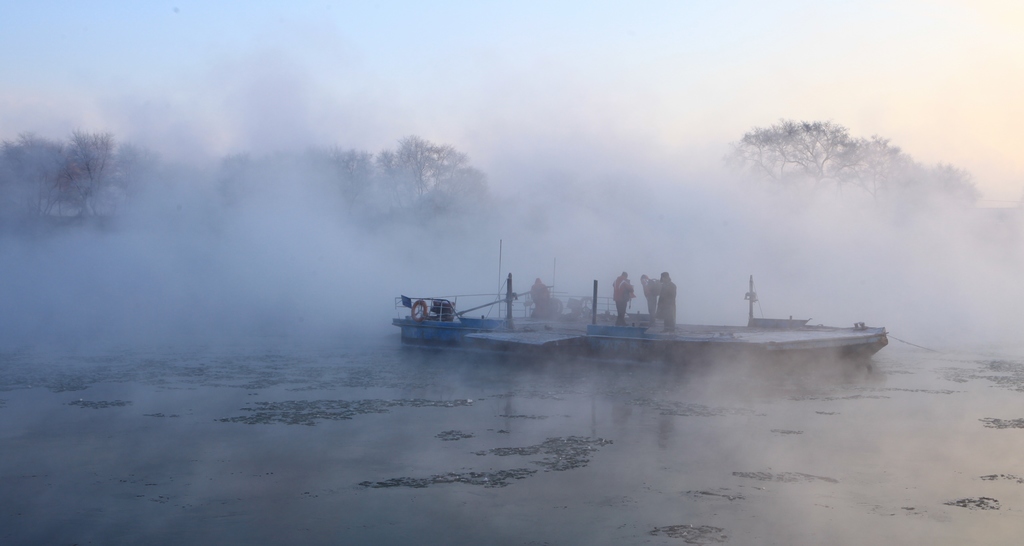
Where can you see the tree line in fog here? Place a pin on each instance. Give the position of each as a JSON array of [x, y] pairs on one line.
[[418, 179], [815, 155], [91, 177]]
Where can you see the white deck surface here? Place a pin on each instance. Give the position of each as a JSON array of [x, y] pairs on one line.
[[531, 332]]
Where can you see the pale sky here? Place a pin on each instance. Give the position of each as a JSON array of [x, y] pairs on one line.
[[660, 87]]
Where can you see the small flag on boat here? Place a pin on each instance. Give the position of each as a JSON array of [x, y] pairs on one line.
[[406, 301]]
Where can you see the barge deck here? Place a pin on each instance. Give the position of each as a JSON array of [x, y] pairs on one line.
[[440, 326]]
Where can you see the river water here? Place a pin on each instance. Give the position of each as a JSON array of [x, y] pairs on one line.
[[371, 444]]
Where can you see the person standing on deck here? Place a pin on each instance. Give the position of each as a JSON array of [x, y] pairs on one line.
[[622, 292], [667, 303], [652, 288], [540, 295]]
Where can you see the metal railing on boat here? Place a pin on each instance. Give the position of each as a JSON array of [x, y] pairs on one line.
[[521, 308]]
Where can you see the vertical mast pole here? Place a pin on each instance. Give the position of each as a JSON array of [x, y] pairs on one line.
[[499, 276], [752, 298], [750, 316], [508, 301]]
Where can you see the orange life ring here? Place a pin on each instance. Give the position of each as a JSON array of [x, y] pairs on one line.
[[419, 311]]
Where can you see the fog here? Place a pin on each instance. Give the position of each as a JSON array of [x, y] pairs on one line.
[[208, 210], [593, 166], [158, 364], [288, 258]]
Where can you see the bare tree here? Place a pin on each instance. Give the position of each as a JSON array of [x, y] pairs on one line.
[[84, 176], [354, 172], [428, 166], [418, 159], [395, 180], [438, 175], [31, 169], [954, 183], [879, 167], [90, 175], [804, 153], [465, 186], [792, 152], [763, 151]]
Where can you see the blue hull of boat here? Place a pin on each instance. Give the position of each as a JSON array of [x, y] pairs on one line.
[[442, 333]]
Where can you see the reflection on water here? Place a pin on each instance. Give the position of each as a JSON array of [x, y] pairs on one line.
[[375, 444]]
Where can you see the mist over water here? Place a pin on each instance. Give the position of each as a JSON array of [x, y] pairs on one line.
[[216, 363], [208, 209], [290, 260]]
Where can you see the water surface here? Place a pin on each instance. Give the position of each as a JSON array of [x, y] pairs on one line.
[[367, 443]]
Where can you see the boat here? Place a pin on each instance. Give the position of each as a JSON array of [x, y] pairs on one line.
[[434, 322]]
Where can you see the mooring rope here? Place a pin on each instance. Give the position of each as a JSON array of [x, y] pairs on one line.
[[911, 344]]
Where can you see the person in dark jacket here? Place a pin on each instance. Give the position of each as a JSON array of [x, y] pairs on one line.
[[540, 295], [667, 303], [622, 292]]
